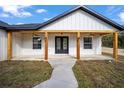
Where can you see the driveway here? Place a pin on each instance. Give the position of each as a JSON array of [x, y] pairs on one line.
[[62, 75], [110, 51]]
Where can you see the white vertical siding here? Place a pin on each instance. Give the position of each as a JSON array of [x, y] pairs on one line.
[[3, 45], [72, 45], [51, 44], [27, 45], [96, 46], [23, 45], [16, 44], [78, 20]]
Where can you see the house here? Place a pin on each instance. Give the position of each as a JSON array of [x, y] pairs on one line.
[[76, 32]]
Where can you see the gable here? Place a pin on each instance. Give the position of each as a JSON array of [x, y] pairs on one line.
[[78, 20]]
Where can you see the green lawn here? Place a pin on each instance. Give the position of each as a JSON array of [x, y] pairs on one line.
[[99, 74], [23, 74]]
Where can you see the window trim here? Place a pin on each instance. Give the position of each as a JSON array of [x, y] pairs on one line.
[[33, 41], [91, 42]]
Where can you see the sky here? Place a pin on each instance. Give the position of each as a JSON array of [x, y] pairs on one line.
[[26, 14]]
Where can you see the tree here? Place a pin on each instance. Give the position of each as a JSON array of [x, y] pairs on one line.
[[107, 41]]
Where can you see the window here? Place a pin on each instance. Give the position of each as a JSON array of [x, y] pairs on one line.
[[36, 42], [87, 42]]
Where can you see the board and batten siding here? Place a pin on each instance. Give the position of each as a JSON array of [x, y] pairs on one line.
[[27, 45], [96, 42], [96, 46], [71, 41], [3, 45], [16, 44], [78, 20], [23, 45]]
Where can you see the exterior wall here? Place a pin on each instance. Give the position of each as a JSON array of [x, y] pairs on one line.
[[96, 43], [22, 45], [3, 45], [72, 45], [16, 44], [27, 45], [78, 20]]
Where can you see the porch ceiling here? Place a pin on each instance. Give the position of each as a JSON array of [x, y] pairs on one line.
[[68, 31], [89, 32]]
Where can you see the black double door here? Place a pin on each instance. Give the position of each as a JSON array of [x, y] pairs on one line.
[[61, 44]]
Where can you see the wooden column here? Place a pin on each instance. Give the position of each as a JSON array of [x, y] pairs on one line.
[[9, 50], [78, 46], [115, 46], [46, 46]]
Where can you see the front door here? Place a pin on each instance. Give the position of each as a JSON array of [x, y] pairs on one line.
[[61, 44]]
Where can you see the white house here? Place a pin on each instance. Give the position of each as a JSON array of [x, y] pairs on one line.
[[76, 32]]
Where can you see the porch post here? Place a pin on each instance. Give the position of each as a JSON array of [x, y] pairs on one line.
[[115, 46], [46, 46], [9, 45], [78, 46]]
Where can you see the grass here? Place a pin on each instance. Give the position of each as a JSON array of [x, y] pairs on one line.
[[23, 74], [99, 74]]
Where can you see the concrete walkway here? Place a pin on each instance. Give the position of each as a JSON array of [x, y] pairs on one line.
[[62, 75]]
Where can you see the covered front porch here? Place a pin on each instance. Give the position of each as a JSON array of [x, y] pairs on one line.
[[75, 51]]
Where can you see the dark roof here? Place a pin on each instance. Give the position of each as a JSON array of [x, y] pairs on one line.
[[84, 8], [3, 25], [24, 27], [6, 26]]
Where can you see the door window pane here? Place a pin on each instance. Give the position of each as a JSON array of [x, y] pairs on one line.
[[58, 43], [64, 43]]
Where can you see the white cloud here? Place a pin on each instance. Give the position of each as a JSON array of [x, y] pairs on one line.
[[113, 9], [45, 19], [26, 13], [121, 16], [41, 10], [16, 10], [110, 8], [4, 15], [19, 23]]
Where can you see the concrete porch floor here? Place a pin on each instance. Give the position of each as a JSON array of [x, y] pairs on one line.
[[28, 57], [62, 56]]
